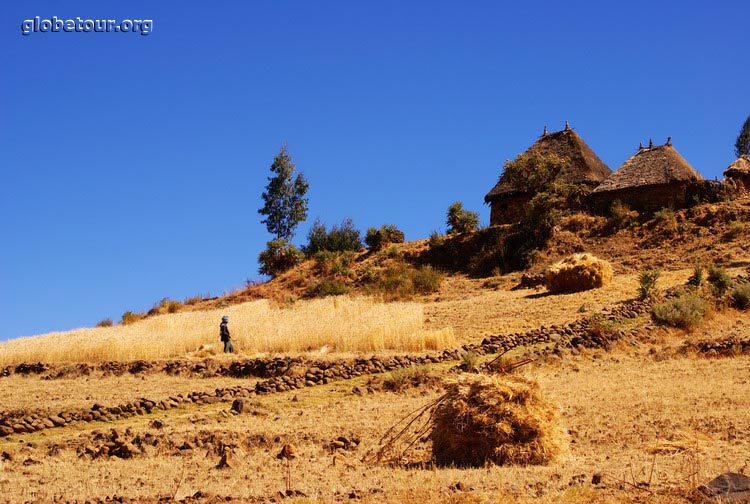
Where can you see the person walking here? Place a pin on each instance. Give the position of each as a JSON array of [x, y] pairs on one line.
[[225, 337]]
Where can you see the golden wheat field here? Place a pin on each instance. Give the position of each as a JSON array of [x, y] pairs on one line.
[[335, 324]]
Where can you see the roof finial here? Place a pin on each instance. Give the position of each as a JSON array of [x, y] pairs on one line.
[[567, 126], [669, 141], [545, 130], [650, 143], [640, 146]]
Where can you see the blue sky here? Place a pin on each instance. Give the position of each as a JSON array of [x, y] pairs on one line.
[[131, 166]]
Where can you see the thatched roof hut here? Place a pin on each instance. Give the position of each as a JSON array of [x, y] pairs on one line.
[[739, 171], [583, 167], [652, 178]]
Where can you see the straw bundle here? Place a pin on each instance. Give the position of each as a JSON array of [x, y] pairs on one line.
[[577, 273], [503, 420]]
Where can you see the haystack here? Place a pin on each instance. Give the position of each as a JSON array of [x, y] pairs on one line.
[[502, 420], [577, 273]]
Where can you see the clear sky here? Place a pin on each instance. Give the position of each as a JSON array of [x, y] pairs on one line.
[[131, 166]]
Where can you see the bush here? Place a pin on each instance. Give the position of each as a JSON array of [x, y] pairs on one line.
[[399, 280], [329, 288], [339, 239], [279, 256], [733, 230], [436, 239], [377, 238], [685, 311], [470, 362], [647, 283], [324, 260], [741, 297], [400, 379], [578, 272], [426, 280], [130, 317], [193, 300], [696, 279], [621, 216], [719, 279], [666, 219], [107, 322], [601, 327], [461, 220], [166, 305], [534, 171], [542, 215]]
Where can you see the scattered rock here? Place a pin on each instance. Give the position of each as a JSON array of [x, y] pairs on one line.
[[728, 487], [288, 452], [238, 405]]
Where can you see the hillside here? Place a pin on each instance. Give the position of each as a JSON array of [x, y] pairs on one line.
[[649, 410]]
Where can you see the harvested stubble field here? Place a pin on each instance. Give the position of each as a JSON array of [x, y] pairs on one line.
[[638, 421], [646, 419]]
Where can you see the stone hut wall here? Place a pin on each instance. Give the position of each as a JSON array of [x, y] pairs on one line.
[[508, 209], [644, 199]]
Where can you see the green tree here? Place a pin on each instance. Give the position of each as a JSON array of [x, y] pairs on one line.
[[461, 220], [285, 202], [742, 145]]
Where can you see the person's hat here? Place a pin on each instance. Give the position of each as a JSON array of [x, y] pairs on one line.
[[225, 318]]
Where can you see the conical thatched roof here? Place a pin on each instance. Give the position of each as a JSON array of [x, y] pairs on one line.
[[650, 166], [584, 165], [741, 167]]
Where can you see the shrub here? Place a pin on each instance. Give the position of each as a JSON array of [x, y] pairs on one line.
[[193, 300], [733, 230], [696, 279], [470, 362], [324, 260], [436, 239], [577, 273], [533, 171], [666, 219], [621, 216], [719, 279], [400, 379], [741, 296], [399, 280], [329, 288], [377, 238], [166, 305], [317, 238], [426, 280], [542, 215], [279, 256], [393, 252], [601, 327], [461, 220], [647, 283], [339, 239], [130, 317], [107, 322], [685, 311]]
